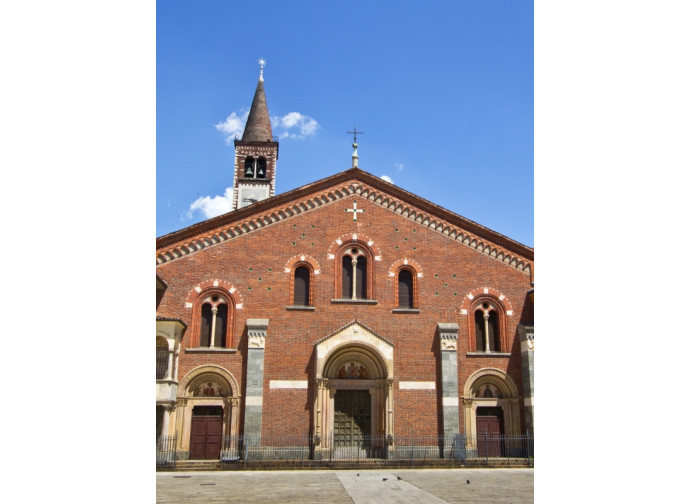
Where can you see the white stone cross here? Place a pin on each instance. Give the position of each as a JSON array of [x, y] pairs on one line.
[[354, 211]]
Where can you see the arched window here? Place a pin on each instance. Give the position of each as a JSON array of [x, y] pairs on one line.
[[214, 312], [354, 279], [249, 167], [406, 298], [487, 330], [301, 287]]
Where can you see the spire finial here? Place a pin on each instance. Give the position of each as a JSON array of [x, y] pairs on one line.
[[355, 157], [262, 62]]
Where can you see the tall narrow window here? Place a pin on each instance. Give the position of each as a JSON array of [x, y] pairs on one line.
[[347, 277], [361, 277], [405, 294], [301, 292], [221, 326], [206, 324]]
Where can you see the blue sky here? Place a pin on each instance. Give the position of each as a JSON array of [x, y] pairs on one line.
[[443, 94]]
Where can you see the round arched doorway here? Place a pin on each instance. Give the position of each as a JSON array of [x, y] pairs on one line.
[[354, 394]]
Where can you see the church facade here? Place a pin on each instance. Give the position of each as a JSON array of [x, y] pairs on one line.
[[347, 308]]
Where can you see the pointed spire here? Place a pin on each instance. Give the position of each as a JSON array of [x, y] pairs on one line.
[[258, 127]]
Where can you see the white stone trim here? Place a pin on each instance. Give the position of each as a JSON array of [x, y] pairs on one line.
[[417, 385], [451, 401], [254, 401], [288, 384]]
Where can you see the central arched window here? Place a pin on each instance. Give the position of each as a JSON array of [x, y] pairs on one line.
[[487, 331], [354, 278], [213, 320]]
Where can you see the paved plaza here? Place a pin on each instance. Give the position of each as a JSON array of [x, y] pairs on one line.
[[409, 486]]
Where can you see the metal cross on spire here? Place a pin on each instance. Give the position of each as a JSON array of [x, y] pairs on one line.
[[355, 133], [262, 62]]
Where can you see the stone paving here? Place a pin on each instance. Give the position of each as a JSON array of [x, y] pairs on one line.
[[415, 486]]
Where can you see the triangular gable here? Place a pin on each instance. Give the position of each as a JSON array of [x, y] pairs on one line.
[[324, 192]]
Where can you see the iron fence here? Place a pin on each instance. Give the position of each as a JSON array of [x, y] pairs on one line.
[[166, 452], [411, 450], [306, 451]]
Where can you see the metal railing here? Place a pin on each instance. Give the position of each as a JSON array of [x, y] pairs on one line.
[[166, 452], [162, 355], [306, 451], [412, 450]]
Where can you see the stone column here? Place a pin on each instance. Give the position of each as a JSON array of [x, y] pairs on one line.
[[448, 337], [253, 402], [165, 428], [527, 351]]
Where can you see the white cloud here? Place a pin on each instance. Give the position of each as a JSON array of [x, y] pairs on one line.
[[292, 125], [295, 125], [233, 126], [387, 179], [212, 207], [399, 166]]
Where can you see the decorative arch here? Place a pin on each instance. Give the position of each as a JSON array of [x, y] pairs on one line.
[[471, 296], [490, 388], [338, 242], [496, 377], [292, 263], [359, 354], [211, 371]]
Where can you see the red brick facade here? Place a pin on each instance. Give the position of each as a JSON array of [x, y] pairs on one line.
[[255, 267]]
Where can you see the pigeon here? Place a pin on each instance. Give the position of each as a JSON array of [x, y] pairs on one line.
[[468, 482], [357, 474], [385, 479], [399, 478]]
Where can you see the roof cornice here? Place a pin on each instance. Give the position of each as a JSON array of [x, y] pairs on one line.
[[325, 191]]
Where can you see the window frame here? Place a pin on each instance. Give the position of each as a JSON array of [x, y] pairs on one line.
[[413, 274], [293, 272], [496, 306], [200, 300], [346, 249]]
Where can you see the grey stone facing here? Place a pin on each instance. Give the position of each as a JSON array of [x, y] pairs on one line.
[[253, 408], [526, 334], [448, 336]]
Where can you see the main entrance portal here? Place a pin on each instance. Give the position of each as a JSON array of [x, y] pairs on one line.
[[353, 406]]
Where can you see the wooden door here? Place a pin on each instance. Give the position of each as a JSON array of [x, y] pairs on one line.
[[352, 421], [490, 432], [207, 433]]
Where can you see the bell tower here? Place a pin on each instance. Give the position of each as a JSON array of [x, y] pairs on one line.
[[256, 154]]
